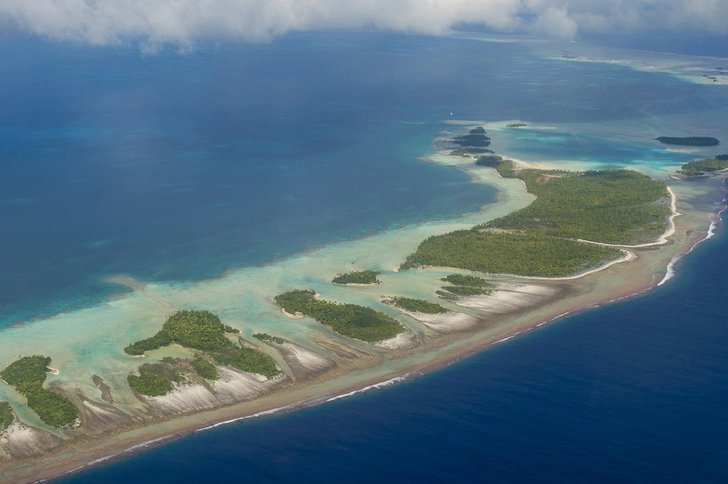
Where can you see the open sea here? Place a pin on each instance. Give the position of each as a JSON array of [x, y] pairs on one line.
[[177, 167]]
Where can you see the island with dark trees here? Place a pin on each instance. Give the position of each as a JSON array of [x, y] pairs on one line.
[[199, 330], [465, 286], [476, 138], [358, 277], [350, 320], [417, 305], [707, 165], [688, 140], [27, 376]]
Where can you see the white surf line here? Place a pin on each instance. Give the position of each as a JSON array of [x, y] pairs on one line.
[[378, 386], [670, 273], [660, 241]]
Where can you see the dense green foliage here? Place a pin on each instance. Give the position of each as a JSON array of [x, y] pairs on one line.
[[489, 160], [230, 329], [27, 375], [610, 206], [6, 415], [269, 338], [153, 380], [688, 140], [348, 319], [205, 369], [247, 359], [358, 277], [465, 285], [505, 169], [202, 330], [700, 167], [155, 342], [508, 253], [418, 305], [466, 280], [475, 138]]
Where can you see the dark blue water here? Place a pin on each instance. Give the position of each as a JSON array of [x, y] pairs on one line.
[[177, 167], [635, 391]]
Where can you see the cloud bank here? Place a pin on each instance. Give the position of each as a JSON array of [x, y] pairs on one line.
[[183, 22]]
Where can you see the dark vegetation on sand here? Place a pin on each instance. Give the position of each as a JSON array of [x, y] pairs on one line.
[[349, 320], [27, 376]]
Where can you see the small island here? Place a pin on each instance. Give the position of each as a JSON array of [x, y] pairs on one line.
[[707, 165], [27, 376], [464, 286], [350, 320], [269, 338], [688, 140], [516, 125], [476, 138], [417, 305], [367, 277], [199, 330]]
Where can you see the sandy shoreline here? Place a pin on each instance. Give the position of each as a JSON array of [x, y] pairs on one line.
[[649, 266]]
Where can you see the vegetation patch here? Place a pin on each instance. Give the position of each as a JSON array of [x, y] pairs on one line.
[[505, 253], [269, 338], [358, 277], [27, 376], [489, 160], [151, 381], [476, 138], [609, 206], [516, 125], [418, 305], [688, 140], [701, 167], [349, 320], [202, 330], [463, 286], [248, 360], [467, 280], [6, 416], [205, 369]]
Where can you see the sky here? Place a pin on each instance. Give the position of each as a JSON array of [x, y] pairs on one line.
[[181, 23]]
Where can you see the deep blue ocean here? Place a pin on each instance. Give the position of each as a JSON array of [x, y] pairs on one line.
[[178, 167]]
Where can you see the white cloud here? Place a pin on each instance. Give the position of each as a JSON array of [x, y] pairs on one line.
[[182, 22]]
